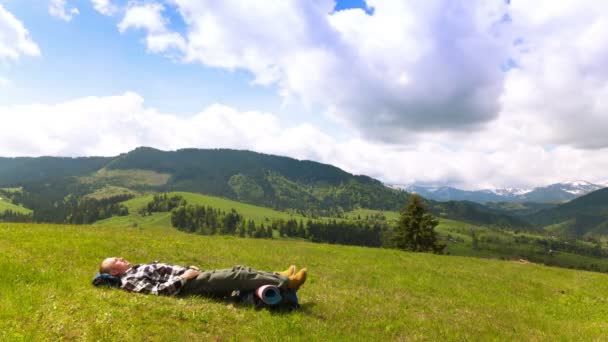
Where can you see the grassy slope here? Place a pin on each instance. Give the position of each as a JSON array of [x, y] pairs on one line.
[[6, 205], [127, 178], [507, 248], [503, 245], [352, 294], [110, 191], [258, 214]]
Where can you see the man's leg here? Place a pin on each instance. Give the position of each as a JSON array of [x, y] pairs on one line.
[[223, 282]]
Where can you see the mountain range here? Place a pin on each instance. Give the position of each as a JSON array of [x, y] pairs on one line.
[[554, 193], [266, 180]]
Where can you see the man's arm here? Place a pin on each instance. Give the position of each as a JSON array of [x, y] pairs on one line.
[[169, 287], [144, 285]]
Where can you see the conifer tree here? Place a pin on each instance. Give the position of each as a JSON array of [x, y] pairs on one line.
[[415, 230]]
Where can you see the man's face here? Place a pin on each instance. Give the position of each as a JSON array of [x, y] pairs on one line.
[[116, 266]]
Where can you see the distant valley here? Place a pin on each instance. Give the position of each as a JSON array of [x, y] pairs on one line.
[[554, 193]]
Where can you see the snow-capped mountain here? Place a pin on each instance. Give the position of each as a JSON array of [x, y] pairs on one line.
[[554, 193]]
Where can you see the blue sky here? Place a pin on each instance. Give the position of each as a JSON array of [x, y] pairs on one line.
[[89, 56], [382, 88]]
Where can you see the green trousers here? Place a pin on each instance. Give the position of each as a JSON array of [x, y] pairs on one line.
[[223, 282]]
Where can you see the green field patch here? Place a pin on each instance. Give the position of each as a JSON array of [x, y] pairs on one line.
[[353, 293], [12, 190], [126, 178], [504, 244], [6, 205], [159, 220], [391, 216], [111, 191]]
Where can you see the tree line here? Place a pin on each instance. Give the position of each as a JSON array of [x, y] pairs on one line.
[[89, 210], [63, 202], [373, 231], [15, 216]]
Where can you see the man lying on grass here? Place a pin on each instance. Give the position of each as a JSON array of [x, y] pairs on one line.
[[164, 279]]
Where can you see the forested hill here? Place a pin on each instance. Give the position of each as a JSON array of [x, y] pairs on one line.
[[586, 214], [26, 169], [269, 180], [261, 179], [217, 163]]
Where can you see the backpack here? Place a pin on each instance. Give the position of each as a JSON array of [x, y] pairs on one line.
[[106, 279]]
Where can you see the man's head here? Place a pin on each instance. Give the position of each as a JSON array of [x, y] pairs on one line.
[[114, 266]]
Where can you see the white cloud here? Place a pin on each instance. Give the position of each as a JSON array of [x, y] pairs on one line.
[[422, 78], [15, 39], [559, 93], [149, 17], [416, 66], [4, 82], [411, 66], [58, 9], [116, 124], [146, 16], [112, 125], [105, 7]]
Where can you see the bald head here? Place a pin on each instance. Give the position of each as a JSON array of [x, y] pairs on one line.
[[114, 266]]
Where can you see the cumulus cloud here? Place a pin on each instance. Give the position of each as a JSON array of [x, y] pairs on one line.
[[467, 93], [105, 7], [410, 66], [148, 17], [58, 9], [116, 124], [416, 66], [15, 39], [558, 94]]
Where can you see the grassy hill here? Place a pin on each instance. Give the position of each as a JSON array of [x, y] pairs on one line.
[[21, 170], [492, 243], [519, 208], [507, 244], [6, 205], [352, 294], [259, 179], [251, 212], [585, 215]]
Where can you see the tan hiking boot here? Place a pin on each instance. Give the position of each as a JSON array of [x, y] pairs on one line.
[[289, 272], [298, 279]]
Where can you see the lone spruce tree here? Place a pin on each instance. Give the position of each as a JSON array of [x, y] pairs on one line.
[[416, 228]]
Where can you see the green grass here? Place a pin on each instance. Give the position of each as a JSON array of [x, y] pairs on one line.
[[249, 211], [110, 191], [391, 216], [498, 243], [6, 205], [12, 190], [126, 178], [352, 293]]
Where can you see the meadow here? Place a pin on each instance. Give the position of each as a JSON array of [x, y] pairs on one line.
[[502, 244], [494, 243], [6, 205], [353, 293], [163, 219]]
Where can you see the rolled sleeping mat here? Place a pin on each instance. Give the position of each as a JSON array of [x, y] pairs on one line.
[[269, 294]]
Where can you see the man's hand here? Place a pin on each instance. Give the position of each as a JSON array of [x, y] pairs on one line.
[[189, 274]]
